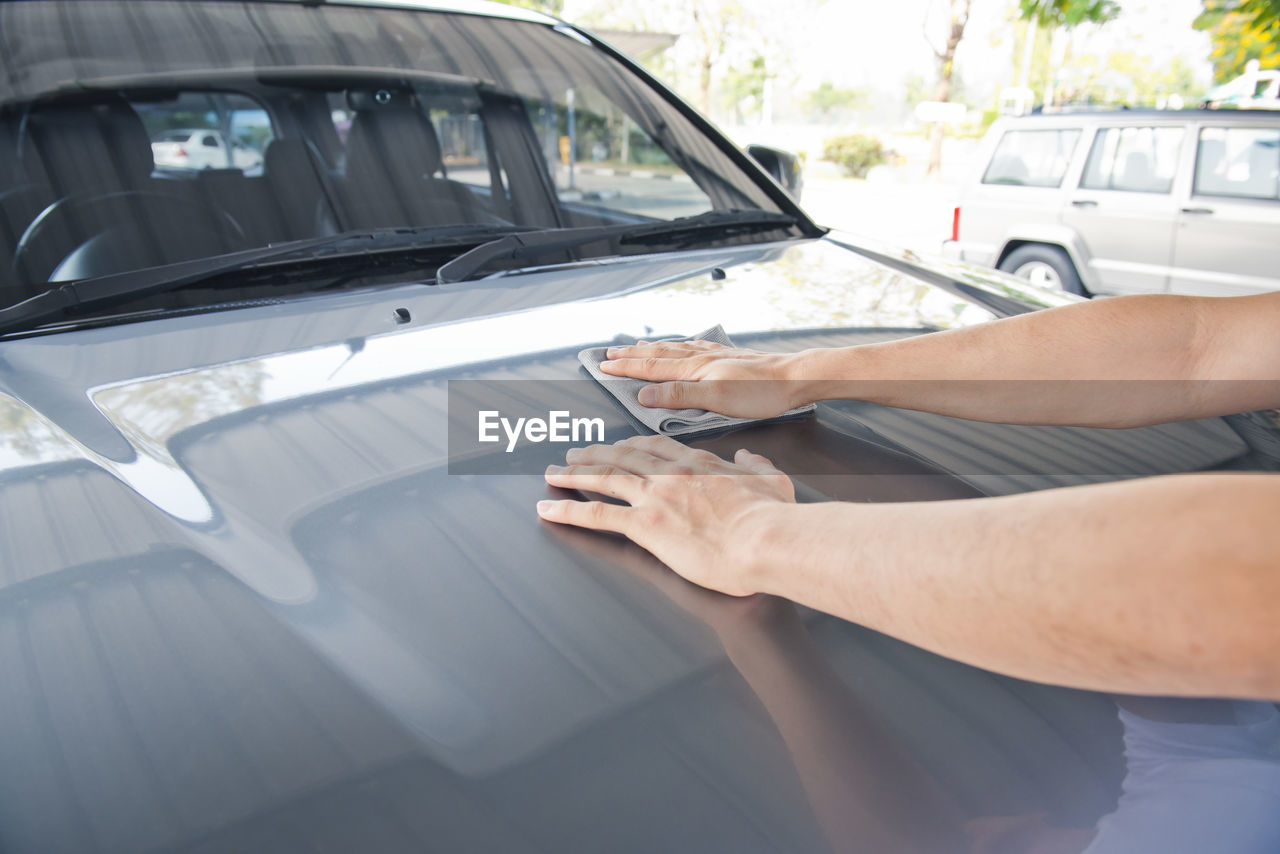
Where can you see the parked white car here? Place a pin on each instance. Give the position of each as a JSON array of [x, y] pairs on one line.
[[201, 148], [1127, 201]]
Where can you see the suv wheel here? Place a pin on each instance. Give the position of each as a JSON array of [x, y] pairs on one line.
[[1044, 266]]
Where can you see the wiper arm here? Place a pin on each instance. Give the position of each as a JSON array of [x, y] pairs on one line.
[[530, 245], [58, 301]]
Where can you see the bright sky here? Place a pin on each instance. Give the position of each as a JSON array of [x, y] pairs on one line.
[[862, 42], [879, 43]]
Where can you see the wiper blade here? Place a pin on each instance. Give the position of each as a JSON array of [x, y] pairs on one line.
[[530, 245], [60, 300]]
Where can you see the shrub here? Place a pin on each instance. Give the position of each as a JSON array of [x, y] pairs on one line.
[[855, 153]]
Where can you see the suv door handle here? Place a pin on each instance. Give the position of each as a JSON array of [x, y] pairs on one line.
[[1197, 210], [1084, 203]]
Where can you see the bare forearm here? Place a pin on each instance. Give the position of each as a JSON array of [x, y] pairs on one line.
[[1167, 585], [1119, 362]]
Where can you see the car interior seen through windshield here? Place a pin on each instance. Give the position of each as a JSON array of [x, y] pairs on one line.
[[273, 123]]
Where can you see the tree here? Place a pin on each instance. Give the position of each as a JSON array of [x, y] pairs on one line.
[[745, 83], [715, 36], [916, 88], [1066, 14], [957, 19], [716, 23], [727, 53], [1240, 30], [828, 98], [710, 31], [1062, 16], [1131, 78], [1265, 15]]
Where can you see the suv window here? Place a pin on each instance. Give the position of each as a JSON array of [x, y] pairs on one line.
[[1135, 159], [1032, 158], [1243, 162]]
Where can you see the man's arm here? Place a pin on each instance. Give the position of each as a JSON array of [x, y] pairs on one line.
[[1111, 363], [1164, 586]]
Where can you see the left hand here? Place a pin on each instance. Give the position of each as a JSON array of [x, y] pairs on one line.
[[697, 513]]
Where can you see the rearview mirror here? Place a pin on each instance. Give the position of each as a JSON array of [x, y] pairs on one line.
[[782, 165]]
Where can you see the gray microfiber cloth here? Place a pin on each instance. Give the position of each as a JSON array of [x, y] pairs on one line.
[[670, 422]]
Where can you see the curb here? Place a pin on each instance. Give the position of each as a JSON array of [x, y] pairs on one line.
[[635, 173]]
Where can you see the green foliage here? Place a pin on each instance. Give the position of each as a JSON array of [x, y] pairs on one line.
[[255, 137], [725, 51], [855, 153], [1067, 13], [1131, 78], [743, 86], [1240, 30], [1264, 15], [828, 98], [917, 90]]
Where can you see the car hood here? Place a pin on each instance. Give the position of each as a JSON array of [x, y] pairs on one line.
[[246, 605]]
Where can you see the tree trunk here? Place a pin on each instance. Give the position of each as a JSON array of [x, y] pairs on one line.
[[704, 84], [959, 17], [941, 92], [706, 35]]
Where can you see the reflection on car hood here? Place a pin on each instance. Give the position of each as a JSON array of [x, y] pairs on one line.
[[245, 606]]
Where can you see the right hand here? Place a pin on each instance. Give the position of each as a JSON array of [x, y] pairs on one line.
[[705, 375], [701, 515]]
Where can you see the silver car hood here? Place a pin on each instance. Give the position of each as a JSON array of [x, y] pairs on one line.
[[245, 604]]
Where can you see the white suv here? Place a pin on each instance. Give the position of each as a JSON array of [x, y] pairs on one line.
[[1128, 202]]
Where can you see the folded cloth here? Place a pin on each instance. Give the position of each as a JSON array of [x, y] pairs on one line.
[[670, 422]]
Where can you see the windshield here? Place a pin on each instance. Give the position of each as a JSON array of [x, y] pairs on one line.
[[138, 134]]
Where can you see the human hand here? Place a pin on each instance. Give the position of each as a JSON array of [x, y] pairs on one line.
[[706, 375], [698, 514]]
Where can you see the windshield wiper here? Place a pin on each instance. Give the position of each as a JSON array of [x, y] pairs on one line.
[[365, 247], [371, 248], [524, 247]]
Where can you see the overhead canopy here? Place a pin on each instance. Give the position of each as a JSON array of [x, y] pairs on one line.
[[638, 45]]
